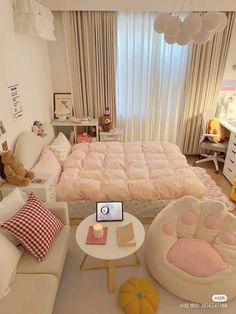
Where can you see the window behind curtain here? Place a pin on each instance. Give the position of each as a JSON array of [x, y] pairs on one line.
[[150, 80]]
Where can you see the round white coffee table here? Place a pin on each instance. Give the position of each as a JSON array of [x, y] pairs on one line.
[[110, 253]]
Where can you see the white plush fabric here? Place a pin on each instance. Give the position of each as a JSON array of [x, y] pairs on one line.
[[170, 225], [9, 206], [61, 147], [28, 149], [33, 19], [9, 258]]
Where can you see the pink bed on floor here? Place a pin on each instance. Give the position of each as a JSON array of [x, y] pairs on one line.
[[127, 171]]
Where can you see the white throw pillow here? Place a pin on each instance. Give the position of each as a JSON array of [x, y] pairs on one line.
[[9, 258], [61, 147], [9, 206]]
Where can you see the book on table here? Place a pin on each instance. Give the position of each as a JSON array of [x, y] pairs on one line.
[[91, 239], [125, 235]]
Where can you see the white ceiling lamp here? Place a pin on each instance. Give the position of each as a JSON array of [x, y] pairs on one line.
[[194, 28]]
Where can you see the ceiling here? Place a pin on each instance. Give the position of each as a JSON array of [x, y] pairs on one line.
[[141, 5]]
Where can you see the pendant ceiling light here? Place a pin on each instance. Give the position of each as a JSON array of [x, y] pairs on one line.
[[194, 28]]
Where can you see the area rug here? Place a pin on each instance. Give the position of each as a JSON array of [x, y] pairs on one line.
[[85, 292], [213, 191]]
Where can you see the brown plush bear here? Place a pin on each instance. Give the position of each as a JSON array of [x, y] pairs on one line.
[[105, 121], [14, 171]]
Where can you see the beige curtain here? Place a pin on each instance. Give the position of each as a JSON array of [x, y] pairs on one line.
[[91, 48], [206, 69]]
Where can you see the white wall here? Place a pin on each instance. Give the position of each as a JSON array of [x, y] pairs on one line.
[[229, 73], [58, 59], [141, 5], [23, 60]]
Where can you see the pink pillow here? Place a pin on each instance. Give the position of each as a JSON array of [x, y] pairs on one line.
[[48, 164], [34, 226], [196, 257]]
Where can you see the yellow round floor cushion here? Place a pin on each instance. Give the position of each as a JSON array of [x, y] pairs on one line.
[[138, 296], [214, 127]]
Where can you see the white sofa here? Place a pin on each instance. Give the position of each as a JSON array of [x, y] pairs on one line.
[[34, 288]]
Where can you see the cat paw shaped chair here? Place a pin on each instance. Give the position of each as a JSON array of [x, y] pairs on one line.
[[191, 249]]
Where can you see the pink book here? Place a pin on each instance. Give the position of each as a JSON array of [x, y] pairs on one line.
[[96, 241]]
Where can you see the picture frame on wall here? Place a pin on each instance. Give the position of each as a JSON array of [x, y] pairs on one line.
[[63, 107]]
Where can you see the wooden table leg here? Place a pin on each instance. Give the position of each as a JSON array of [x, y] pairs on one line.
[[111, 276]]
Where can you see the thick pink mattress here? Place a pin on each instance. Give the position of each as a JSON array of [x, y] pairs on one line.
[[127, 171]]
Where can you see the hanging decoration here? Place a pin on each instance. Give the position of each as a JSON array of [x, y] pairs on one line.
[[194, 28], [33, 19]]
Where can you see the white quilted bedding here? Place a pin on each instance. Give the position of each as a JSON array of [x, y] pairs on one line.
[[127, 171]]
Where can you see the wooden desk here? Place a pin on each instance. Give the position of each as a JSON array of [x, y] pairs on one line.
[[229, 170]]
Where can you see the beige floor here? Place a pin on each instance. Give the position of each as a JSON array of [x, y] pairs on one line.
[[85, 292], [219, 178]]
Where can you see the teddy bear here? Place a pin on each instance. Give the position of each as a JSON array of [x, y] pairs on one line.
[[105, 121], [14, 171]]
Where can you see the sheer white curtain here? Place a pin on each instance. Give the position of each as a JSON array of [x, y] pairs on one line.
[[150, 80]]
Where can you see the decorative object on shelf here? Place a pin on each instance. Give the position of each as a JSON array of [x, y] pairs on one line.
[[194, 28], [84, 120], [83, 138], [38, 129], [14, 171], [33, 19], [138, 295], [63, 108], [105, 121]]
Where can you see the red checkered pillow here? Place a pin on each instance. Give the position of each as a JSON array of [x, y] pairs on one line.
[[34, 226]]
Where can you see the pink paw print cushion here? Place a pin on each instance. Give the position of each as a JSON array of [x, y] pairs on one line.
[[196, 257]]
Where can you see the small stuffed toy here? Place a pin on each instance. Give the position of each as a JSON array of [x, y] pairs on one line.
[[14, 171], [38, 129], [105, 121]]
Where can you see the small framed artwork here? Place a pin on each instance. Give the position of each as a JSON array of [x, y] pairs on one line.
[[63, 107], [2, 128], [5, 146]]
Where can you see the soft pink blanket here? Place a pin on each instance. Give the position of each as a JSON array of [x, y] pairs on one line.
[[127, 171]]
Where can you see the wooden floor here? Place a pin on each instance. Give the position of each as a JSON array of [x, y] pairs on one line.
[[219, 178]]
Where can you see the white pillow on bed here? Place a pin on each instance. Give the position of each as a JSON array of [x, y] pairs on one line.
[[48, 164], [61, 147]]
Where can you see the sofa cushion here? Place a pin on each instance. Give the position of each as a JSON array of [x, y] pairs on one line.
[[9, 258], [54, 262], [30, 294], [196, 257], [34, 226], [9, 206]]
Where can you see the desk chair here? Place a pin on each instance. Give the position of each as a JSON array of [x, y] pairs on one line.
[[217, 151]]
